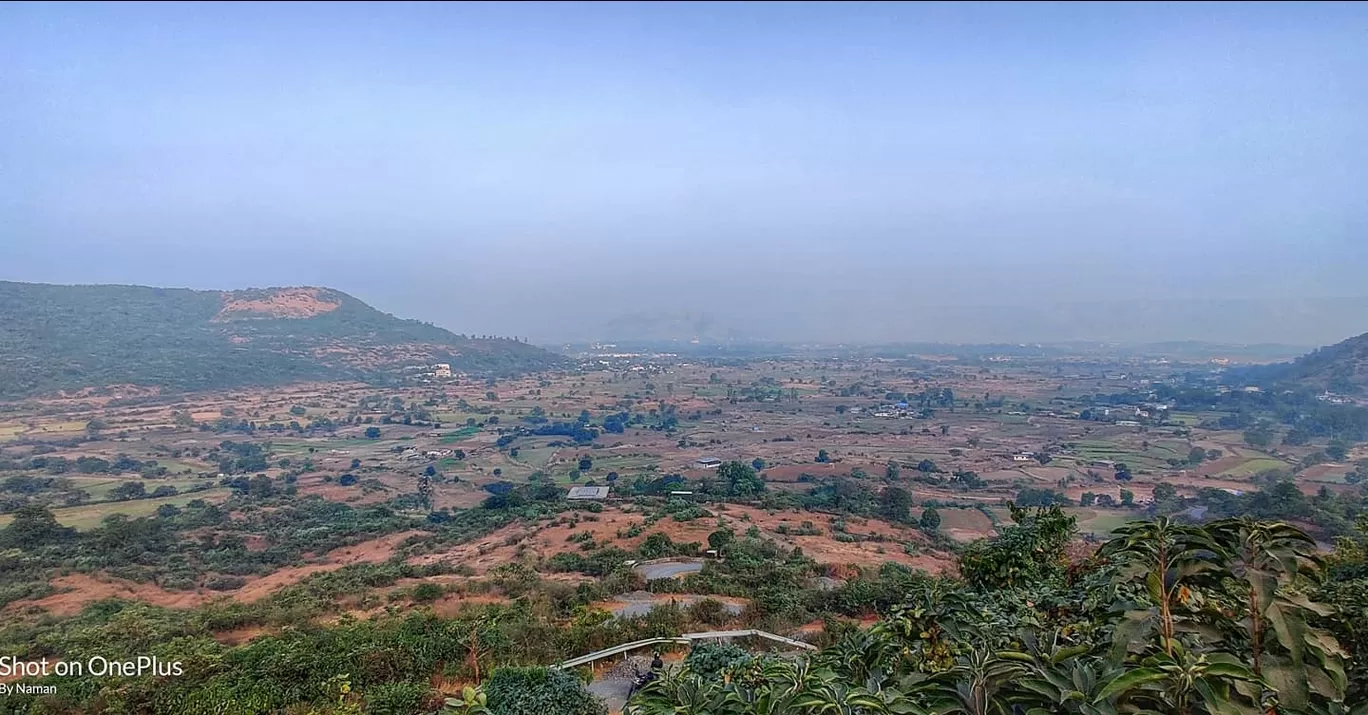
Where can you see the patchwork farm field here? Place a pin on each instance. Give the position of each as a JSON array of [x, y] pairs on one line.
[[447, 482]]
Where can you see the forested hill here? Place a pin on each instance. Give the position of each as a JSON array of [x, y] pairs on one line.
[[1340, 368], [64, 338]]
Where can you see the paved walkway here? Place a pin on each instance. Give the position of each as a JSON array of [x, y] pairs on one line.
[[669, 569]]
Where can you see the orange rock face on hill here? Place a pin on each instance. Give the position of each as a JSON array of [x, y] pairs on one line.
[[278, 303]]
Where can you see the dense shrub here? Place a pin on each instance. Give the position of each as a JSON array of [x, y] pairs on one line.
[[427, 592], [224, 583], [539, 691], [396, 699], [710, 659]]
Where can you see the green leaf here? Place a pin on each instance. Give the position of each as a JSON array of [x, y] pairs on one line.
[[1071, 652], [1301, 601], [1188, 569], [1127, 682], [1131, 632], [1219, 703], [1290, 628], [1264, 585], [1230, 670], [1289, 680], [1154, 587], [1041, 687], [1017, 656], [1322, 684]]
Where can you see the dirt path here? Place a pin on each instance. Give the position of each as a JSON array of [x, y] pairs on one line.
[[669, 569], [640, 603]]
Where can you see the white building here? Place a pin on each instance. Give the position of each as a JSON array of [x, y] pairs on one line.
[[594, 493]]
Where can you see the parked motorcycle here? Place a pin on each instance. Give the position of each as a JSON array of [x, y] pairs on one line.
[[641, 679]]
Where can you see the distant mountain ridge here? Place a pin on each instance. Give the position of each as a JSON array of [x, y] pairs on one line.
[[61, 338], [1341, 368]]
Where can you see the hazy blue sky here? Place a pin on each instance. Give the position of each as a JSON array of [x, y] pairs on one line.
[[836, 171]]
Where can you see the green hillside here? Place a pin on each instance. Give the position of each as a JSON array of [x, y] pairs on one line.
[[1341, 368], [55, 338]]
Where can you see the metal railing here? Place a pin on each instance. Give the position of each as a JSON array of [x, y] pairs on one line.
[[686, 639]]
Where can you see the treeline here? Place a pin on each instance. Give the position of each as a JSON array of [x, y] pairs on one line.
[[1297, 408], [1332, 512], [121, 464]]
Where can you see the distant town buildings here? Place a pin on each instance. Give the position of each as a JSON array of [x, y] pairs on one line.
[[707, 463]]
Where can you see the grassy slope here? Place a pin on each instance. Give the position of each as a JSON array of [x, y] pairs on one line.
[[67, 337]]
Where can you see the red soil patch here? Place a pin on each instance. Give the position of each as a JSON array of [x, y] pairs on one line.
[[1048, 474], [256, 543], [544, 541], [79, 590], [369, 552], [280, 303], [332, 491], [1326, 471]]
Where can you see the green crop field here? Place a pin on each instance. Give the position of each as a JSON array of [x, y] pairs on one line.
[[1154, 458], [1254, 466], [89, 516], [1100, 522], [624, 464], [96, 486], [535, 457], [460, 434], [1168, 449], [1186, 419]]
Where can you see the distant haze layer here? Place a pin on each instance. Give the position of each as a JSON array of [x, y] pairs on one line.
[[1303, 322], [815, 171]]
